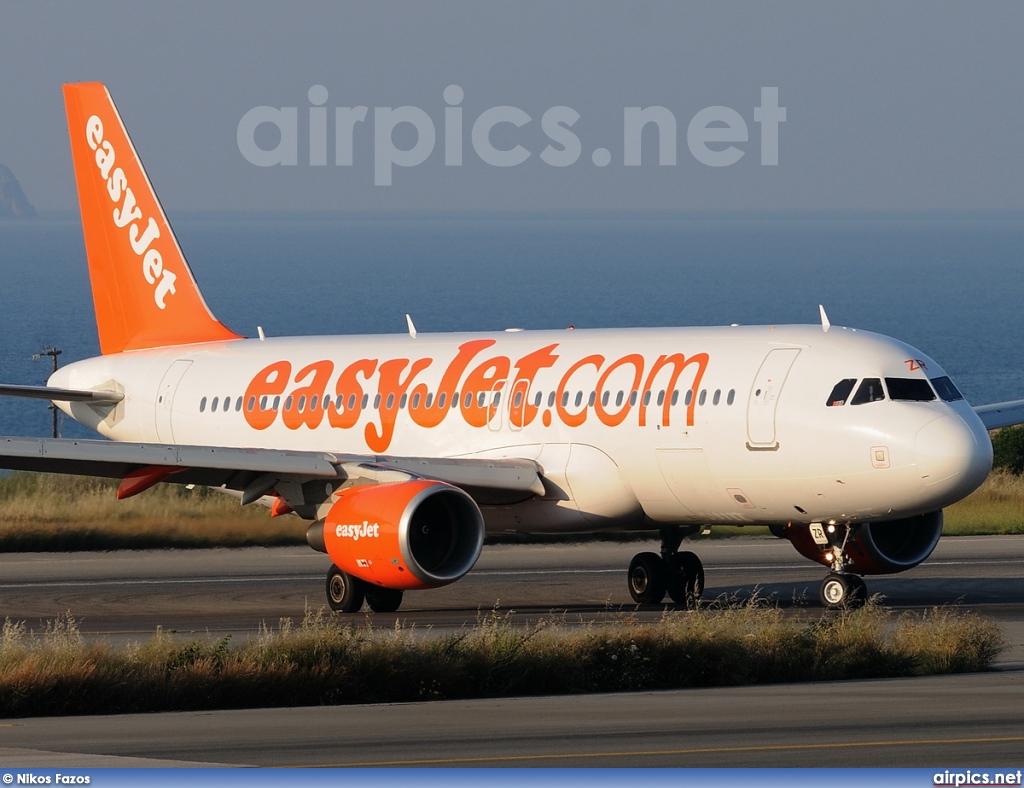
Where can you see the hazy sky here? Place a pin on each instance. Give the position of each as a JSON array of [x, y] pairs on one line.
[[906, 106]]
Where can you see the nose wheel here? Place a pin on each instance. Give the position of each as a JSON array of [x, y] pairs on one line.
[[842, 591]]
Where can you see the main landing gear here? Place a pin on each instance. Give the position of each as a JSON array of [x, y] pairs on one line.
[[839, 589], [680, 575], [346, 594]]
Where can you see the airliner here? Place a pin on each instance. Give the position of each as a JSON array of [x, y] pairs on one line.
[[403, 451]]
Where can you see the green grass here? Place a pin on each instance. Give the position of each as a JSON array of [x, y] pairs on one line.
[[324, 662]]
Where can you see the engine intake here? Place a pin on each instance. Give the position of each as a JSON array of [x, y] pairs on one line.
[[415, 534], [879, 548]]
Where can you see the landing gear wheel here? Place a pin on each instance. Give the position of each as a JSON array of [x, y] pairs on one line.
[[858, 591], [344, 592], [383, 600], [842, 591], [687, 583], [647, 579]]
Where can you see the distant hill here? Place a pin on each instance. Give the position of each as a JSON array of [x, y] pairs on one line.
[[13, 202]]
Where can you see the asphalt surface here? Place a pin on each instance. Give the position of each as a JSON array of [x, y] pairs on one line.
[[945, 721]]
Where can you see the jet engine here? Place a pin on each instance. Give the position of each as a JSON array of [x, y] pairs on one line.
[[876, 548], [413, 534]]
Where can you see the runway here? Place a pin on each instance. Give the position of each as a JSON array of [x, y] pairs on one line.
[[944, 721]]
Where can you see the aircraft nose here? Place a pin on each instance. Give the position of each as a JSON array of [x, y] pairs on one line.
[[953, 455]]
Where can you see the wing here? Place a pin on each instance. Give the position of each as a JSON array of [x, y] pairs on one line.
[[1001, 414], [253, 473], [61, 395]]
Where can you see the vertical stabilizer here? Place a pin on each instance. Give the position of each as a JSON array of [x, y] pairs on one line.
[[143, 291]]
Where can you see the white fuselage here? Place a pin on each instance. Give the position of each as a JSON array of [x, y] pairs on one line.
[[632, 428]]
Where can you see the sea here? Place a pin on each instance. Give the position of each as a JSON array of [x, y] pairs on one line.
[[951, 285]]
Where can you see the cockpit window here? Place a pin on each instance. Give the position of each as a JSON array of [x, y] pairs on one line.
[[909, 389], [945, 389], [841, 392], [870, 390]]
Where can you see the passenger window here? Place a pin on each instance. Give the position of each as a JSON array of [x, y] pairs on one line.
[[945, 389], [703, 397], [675, 397], [441, 399], [213, 405], [909, 389], [870, 390], [731, 398], [202, 405], [840, 392], [227, 404], [238, 405], [251, 403], [717, 397], [688, 398]]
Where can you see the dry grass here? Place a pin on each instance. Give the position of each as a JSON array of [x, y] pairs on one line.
[[54, 512], [324, 662], [997, 507], [50, 512]]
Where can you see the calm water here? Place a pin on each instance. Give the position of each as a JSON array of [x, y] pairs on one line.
[[952, 286]]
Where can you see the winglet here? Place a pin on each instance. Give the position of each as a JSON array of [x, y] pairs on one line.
[[825, 324], [143, 290]]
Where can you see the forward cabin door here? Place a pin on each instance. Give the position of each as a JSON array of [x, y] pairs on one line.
[[764, 398]]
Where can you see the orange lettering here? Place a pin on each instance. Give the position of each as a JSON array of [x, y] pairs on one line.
[[269, 382], [679, 362], [391, 388], [486, 380], [615, 419], [307, 402], [350, 393], [522, 413], [433, 414], [574, 419]]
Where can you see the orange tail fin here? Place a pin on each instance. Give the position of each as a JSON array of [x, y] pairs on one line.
[[144, 293]]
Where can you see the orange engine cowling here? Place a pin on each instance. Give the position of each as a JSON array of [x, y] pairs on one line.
[[878, 548], [415, 534]]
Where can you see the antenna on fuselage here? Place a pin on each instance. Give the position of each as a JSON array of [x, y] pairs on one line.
[[412, 328], [825, 324]]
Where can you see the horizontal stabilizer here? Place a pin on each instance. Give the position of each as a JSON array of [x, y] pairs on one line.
[[61, 395], [1001, 414]]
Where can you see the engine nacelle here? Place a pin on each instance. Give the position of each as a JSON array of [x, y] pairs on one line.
[[881, 548], [415, 534]]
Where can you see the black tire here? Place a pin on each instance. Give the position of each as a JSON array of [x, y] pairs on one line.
[[687, 583], [344, 592], [647, 579], [383, 600], [834, 591], [858, 591]]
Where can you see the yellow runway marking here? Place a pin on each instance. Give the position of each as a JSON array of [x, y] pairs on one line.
[[694, 751]]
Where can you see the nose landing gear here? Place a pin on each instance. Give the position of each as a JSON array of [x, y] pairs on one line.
[[679, 574], [839, 589]]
